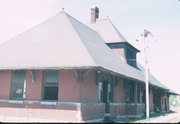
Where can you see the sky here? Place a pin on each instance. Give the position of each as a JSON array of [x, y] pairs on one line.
[[131, 17]]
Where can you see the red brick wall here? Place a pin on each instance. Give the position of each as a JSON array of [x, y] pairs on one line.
[[119, 92], [151, 109], [141, 94], [118, 109], [90, 112], [5, 84], [163, 106], [120, 53], [34, 89], [38, 112], [68, 87], [89, 89], [150, 97], [69, 91], [72, 91]]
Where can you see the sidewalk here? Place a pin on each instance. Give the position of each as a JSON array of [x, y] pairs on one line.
[[165, 118], [27, 120], [168, 118]]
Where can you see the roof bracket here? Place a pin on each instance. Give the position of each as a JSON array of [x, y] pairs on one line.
[[99, 76], [80, 75], [33, 75]]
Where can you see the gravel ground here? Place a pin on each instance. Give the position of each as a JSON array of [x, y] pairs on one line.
[[173, 117]]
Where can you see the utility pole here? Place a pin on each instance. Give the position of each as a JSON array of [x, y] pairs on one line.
[[146, 75]]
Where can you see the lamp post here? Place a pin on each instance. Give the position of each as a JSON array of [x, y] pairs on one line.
[[146, 75]]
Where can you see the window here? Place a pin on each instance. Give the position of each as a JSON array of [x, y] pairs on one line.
[[131, 58], [105, 92], [100, 91], [51, 80], [18, 84], [130, 92]]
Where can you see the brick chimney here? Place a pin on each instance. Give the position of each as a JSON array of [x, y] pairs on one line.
[[94, 14]]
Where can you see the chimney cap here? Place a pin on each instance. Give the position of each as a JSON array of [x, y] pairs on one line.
[[94, 14]]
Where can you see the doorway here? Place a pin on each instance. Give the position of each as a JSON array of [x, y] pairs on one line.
[[106, 95], [166, 104]]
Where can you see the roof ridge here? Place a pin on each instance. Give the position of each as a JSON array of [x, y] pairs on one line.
[[67, 15], [82, 23], [103, 19], [118, 31]]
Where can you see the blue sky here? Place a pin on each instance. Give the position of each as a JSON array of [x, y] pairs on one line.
[[131, 17]]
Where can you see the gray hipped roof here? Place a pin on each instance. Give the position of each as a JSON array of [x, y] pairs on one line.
[[152, 79], [62, 42], [107, 31]]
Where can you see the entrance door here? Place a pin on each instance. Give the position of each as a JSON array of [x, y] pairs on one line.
[[165, 104], [106, 95]]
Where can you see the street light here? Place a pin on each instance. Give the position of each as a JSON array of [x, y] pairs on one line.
[[146, 73], [146, 33]]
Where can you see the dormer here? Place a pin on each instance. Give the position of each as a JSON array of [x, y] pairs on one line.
[[125, 51], [113, 38]]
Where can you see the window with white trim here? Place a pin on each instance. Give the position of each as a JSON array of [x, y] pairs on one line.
[[18, 84], [51, 81]]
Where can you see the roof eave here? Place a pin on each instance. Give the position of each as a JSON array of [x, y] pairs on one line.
[[121, 75], [126, 43], [48, 68]]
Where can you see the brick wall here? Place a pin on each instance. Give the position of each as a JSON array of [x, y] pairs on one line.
[[89, 89], [122, 109], [119, 92], [5, 84], [120, 53], [69, 89], [92, 111], [34, 89], [38, 112]]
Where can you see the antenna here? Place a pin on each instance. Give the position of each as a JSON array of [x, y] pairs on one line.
[[62, 1]]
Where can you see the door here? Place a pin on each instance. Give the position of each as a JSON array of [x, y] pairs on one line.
[[107, 95], [165, 104]]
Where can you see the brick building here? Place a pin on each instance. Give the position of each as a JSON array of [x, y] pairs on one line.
[[65, 71]]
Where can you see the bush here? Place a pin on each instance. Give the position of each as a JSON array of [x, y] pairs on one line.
[[174, 100]]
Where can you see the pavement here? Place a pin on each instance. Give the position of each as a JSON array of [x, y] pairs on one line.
[[173, 117]]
